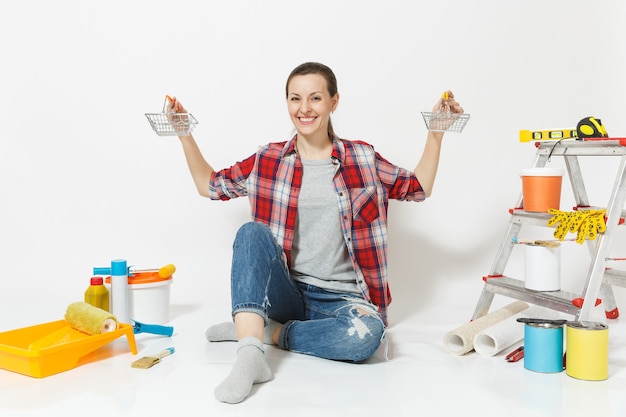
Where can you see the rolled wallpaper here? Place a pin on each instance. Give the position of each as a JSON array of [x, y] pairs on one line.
[[461, 340], [502, 335]]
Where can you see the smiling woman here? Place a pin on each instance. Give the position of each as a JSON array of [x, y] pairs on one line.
[[313, 263], [311, 98]]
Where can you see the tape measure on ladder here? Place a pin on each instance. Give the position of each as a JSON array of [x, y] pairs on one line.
[[591, 127]]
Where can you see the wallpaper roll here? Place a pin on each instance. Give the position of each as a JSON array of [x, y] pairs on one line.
[[496, 338], [461, 340]]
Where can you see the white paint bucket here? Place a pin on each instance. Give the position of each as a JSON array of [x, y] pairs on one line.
[[149, 297], [542, 268]]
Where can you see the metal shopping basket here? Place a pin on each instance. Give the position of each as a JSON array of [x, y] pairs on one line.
[[168, 123], [444, 120]]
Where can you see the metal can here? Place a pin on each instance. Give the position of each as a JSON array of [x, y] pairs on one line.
[[543, 347], [587, 351]]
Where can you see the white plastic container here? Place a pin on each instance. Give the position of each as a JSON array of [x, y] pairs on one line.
[[149, 297], [119, 291], [542, 268]]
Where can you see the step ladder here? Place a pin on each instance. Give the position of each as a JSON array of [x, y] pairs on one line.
[[599, 281]]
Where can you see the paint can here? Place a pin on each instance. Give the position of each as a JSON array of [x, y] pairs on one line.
[[541, 188], [587, 351], [148, 297], [542, 268], [543, 347]]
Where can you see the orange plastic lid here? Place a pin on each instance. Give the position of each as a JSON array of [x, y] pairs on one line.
[[147, 277]]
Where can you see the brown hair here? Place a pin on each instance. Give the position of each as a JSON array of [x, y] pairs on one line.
[[324, 71]]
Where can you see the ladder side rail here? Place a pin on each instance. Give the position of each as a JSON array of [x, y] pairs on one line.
[[576, 180], [505, 249], [582, 200], [595, 276], [484, 302]]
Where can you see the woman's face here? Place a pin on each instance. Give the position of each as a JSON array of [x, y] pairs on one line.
[[310, 105]]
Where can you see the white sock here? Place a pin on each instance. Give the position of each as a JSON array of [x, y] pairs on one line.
[[250, 368]]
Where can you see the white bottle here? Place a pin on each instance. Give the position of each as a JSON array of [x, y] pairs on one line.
[[119, 290]]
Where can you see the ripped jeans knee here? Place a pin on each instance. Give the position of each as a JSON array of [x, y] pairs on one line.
[[340, 327]]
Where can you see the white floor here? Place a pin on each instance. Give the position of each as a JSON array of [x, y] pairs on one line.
[[421, 377]]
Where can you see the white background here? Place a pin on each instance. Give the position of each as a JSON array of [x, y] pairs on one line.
[[85, 180]]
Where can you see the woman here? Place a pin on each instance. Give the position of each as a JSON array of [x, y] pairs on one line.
[[309, 273]]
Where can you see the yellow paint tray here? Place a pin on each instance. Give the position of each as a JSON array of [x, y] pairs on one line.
[[50, 348]]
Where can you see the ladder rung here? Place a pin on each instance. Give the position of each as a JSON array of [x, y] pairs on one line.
[[529, 217], [540, 219], [514, 288]]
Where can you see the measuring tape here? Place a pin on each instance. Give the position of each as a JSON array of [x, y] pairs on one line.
[[591, 127]]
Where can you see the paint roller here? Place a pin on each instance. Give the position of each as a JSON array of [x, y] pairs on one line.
[[82, 318], [90, 319], [164, 272]]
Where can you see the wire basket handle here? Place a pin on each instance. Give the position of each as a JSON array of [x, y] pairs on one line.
[[167, 105], [445, 103]]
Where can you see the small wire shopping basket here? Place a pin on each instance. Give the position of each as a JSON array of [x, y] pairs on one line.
[[169, 123], [444, 120]]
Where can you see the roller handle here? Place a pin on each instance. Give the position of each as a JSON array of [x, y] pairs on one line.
[[152, 328], [164, 272], [105, 270]]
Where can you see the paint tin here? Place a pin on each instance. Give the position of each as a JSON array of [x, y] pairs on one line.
[[587, 351], [541, 188], [543, 347], [542, 268], [148, 297]]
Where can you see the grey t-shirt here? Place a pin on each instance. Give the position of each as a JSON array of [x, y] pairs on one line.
[[319, 253]]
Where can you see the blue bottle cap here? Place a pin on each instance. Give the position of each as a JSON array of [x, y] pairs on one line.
[[118, 267]]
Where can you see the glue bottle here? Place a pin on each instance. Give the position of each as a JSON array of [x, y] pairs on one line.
[[97, 294], [119, 290]]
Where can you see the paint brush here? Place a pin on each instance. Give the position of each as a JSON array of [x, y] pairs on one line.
[[149, 361], [547, 243]]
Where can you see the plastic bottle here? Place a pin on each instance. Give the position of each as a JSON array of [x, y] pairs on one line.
[[97, 294], [119, 290]]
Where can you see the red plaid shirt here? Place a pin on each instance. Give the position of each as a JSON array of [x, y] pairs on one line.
[[364, 183]]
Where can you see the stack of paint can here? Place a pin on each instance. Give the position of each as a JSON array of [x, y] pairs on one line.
[[583, 353]]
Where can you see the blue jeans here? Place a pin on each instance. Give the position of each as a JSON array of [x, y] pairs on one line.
[[316, 322]]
